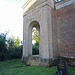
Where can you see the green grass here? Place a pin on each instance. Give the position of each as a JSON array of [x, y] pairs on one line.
[[15, 67]]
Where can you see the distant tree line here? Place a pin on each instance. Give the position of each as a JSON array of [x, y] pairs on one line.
[[10, 48], [35, 48]]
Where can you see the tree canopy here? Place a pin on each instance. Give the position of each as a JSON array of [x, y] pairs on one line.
[[9, 48], [17, 42], [35, 46], [35, 35]]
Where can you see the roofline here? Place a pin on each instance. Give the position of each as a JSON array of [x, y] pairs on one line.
[[26, 4]]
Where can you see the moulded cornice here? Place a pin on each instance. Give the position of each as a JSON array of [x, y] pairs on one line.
[[26, 4], [34, 3]]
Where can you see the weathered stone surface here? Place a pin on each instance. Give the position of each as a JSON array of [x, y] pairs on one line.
[[56, 29], [39, 17]]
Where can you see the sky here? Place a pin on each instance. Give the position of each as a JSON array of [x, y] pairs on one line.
[[11, 17]]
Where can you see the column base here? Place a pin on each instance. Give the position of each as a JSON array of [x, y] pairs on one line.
[[36, 60]]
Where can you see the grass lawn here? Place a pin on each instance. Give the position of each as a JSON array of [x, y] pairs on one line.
[[15, 67]]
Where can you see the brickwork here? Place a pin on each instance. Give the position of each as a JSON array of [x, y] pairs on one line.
[[66, 30]]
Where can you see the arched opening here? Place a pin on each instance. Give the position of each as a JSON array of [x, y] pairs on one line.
[[35, 41], [33, 45]]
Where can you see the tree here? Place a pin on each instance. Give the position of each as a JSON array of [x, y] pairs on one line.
[[11, 42], [35, 35], [17, 42], [35, 49], [35, 46], [2, 41], [3, 48], [10, 48]]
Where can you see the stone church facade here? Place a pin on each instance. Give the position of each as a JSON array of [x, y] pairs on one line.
[[56, 26]]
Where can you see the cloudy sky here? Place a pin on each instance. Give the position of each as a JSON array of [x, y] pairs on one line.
[[11, 17]]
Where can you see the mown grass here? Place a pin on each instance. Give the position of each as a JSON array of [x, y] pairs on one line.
[[15, 67]]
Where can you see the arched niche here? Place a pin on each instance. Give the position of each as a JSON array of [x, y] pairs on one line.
[[37, 26]]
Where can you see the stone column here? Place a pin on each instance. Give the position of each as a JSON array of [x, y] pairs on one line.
[[44, 33], [25, 39], [30, 41], [49, 21]]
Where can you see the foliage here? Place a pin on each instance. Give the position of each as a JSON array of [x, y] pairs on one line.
[[35, 49], [2, 46], [2, 42], [35, 35], [9, 49], [15, 67], [11, 42], [17, 42]]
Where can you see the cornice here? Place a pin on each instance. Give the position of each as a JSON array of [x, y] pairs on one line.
[[30, 4], [26, 4], [58, 6]]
